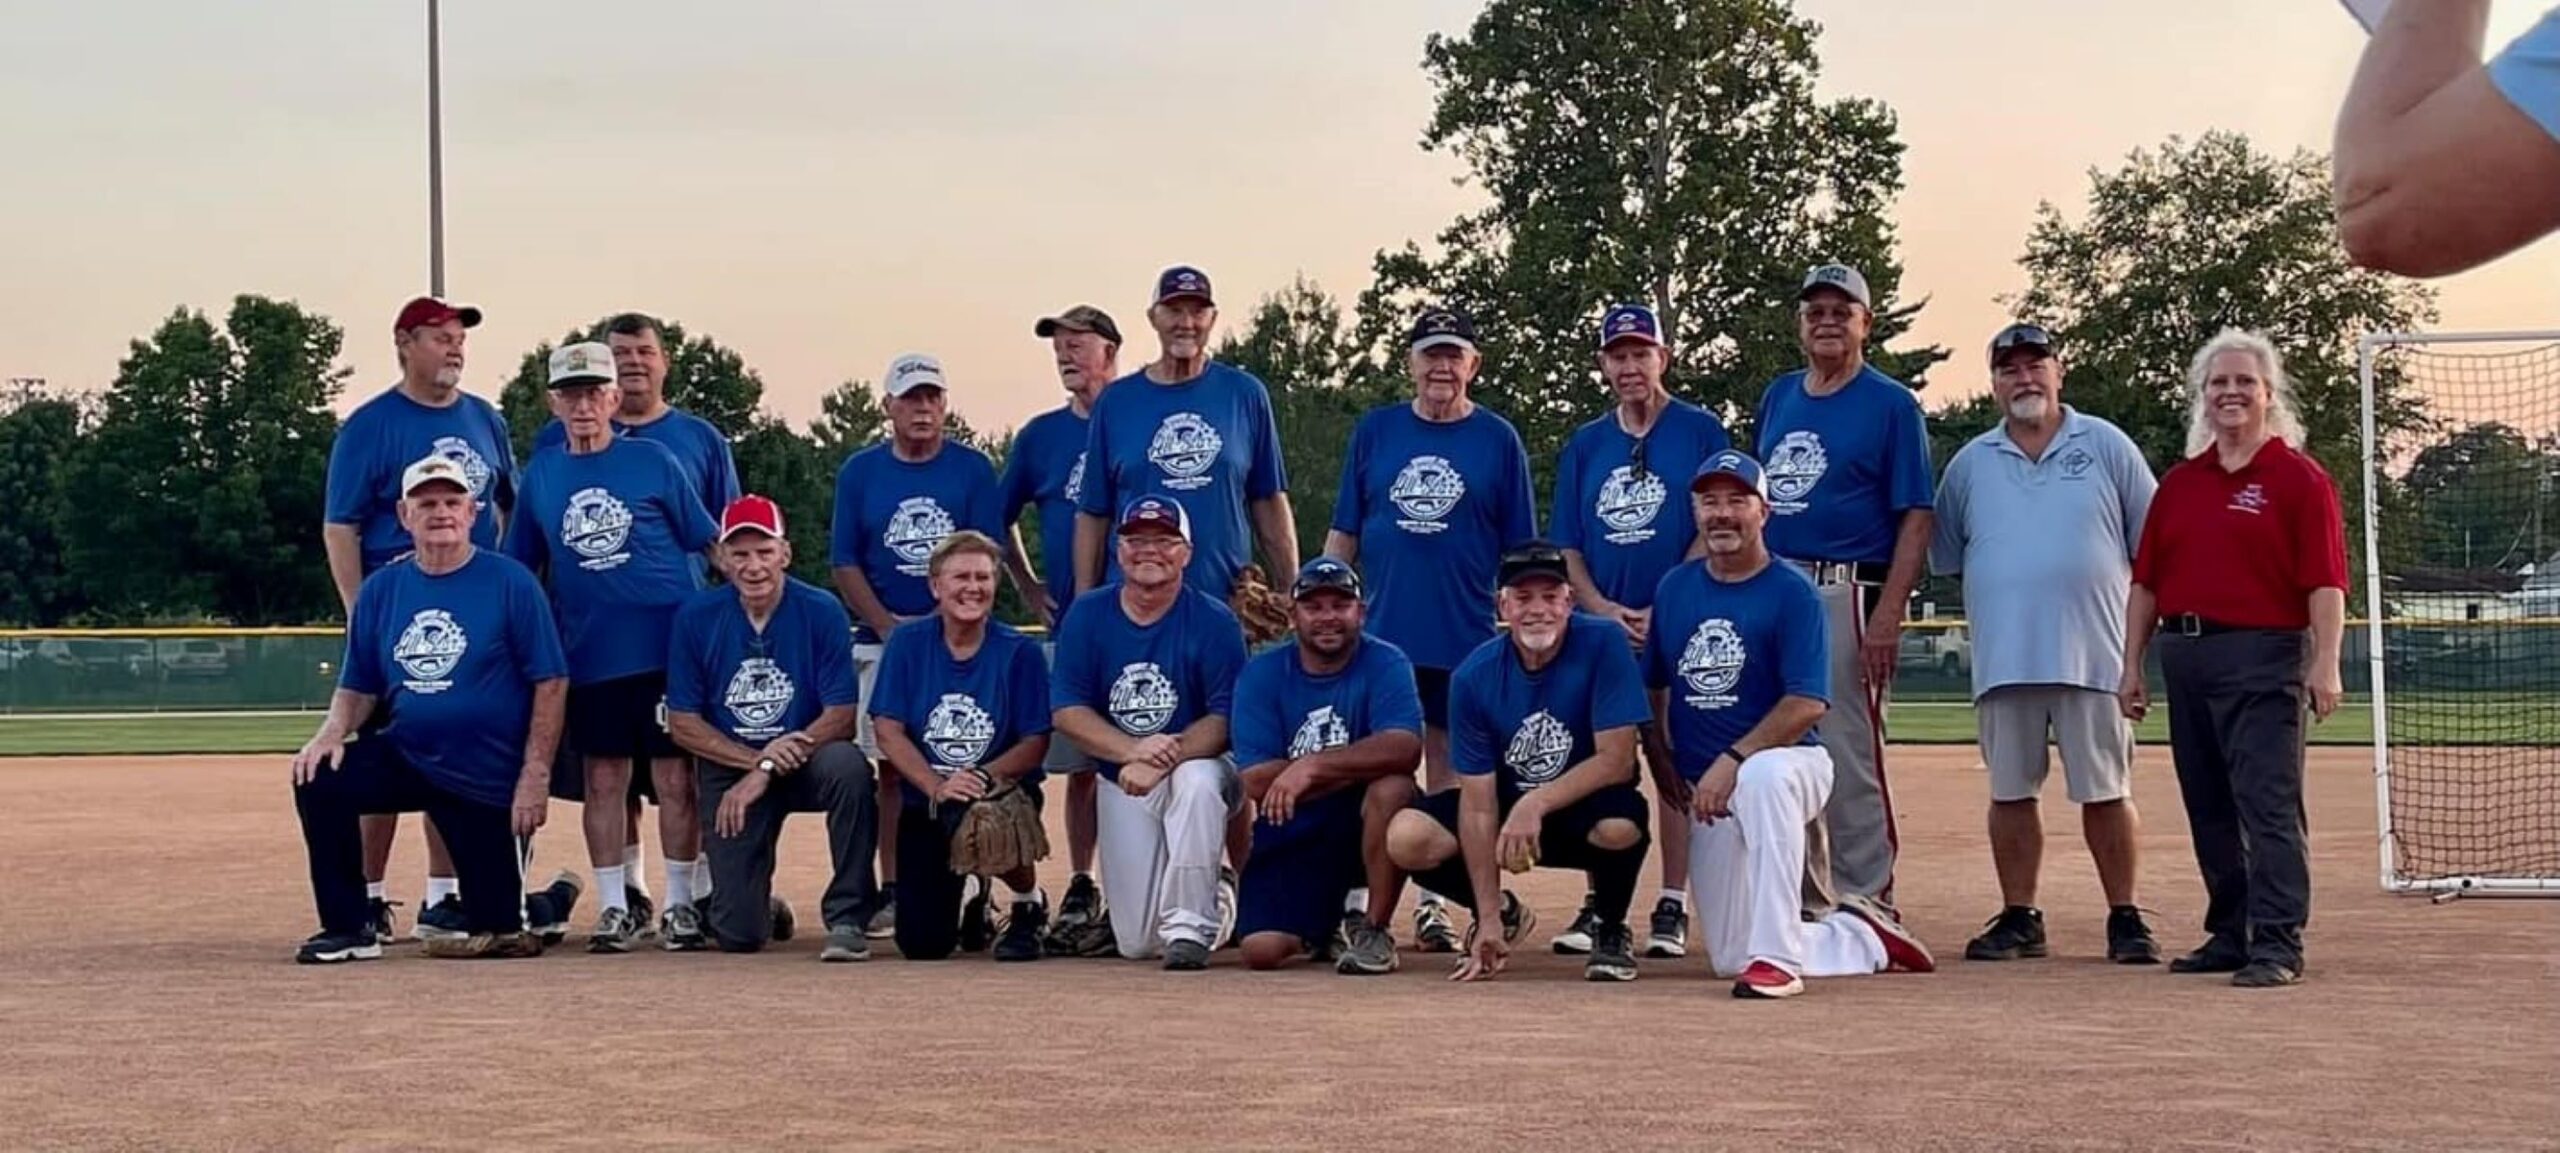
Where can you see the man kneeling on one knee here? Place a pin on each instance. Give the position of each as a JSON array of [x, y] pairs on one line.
[[1738, 666], [1542, 735], [1330, 732], [760, 688]]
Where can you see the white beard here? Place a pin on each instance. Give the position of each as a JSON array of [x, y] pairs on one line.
[[2027, 408]]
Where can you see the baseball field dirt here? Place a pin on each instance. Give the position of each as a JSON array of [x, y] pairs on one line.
[[149, 910]]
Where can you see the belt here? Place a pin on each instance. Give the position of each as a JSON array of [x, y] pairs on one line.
[[2191, 625], [1832, 572]]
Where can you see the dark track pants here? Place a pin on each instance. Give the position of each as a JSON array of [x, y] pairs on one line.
[[2236, 731], [837, 782], [488, 859]]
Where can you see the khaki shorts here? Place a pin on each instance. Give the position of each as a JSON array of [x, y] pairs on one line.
[[1064, 755], [2016, 722], [866, 669]]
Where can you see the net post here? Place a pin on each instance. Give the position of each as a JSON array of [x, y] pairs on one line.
[[2366, 348]]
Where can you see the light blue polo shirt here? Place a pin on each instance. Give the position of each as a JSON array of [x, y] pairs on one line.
[[2046, 550], [2527, 73]]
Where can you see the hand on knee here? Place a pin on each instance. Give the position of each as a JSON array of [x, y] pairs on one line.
[[1616, 833], [1264, 951]]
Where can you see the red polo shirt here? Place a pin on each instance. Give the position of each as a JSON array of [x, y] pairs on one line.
[[2245, 547]]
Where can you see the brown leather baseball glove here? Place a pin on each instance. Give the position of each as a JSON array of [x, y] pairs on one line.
[[999, 833], [1263, 610]]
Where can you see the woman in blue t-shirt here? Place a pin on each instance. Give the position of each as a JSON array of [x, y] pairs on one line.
[[961, 710]]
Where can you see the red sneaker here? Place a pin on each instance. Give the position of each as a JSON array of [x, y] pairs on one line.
[[1766, 982], [1903, 953]]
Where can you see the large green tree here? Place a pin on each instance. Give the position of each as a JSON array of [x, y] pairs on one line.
[[39, 429], [704, 377], [1294, 341], [1671, 152], [2485, 498], [200, 488]]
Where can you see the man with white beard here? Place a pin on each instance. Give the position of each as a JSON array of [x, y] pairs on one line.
[[2041, 515]]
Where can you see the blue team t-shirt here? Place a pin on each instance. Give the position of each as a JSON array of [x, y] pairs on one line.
[[618, 530], [2527, 73], [1632, 525], [1728, 652], [1283, 712], [1529, 728], [757, 685], [891, 513], [453, 659], [1208, 442], [1434, 505], [1147, 679], [1842, 468], [1045, 469], [387, 434], [696, 443], [962, 714]]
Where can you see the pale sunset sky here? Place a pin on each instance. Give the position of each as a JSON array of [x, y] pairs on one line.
[[825, 185]]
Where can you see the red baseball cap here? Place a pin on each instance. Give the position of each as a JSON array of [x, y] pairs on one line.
[[751, 512], [427, 310]]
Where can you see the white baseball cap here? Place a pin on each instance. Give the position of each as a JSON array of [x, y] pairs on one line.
[[910, 372], [585, 362], [430, 469]]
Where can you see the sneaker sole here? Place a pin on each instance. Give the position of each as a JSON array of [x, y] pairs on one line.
[[1572, 944], [2150, 956], [606, 945], [2021, 953], [1528, 925], [836, 956], [474, 948], [1750, 992], [1350, 966], [339, 956], [1663, 949], [685, 944], [1608, 972], [425, 934]]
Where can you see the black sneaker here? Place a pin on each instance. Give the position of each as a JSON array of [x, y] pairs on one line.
[[1023, 929], [384, 932], [1518, 920], [613, 933], [644, 912], [326, 948], [2018, 931], [2129, 940], [1576, 938], [1669, 936], [1186, 956], [681, 930], [785, 922], [1613, 955], [445, 918], [1081, 907], [977, 929], [548, 909]]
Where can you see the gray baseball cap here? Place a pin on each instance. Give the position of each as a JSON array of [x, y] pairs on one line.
[[1839, 278]]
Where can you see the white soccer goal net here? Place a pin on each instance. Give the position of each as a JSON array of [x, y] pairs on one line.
[[2462, 605]]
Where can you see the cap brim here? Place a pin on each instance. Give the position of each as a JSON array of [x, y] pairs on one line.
[[1050, 326], [583, 378], [757, 529], [1806, 293], [2038, 347], [1444, 340], [1700, 482], [913, 385], [1540, 572], [431, 482], [1639, 337], [1202, 297], [1325, 587], [469, 316]]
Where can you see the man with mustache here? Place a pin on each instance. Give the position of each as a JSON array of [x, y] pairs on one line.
[[895, 502], [2041, 516], [1542, 733], [1622, 528], [1329, 730], [1740, 675], [1046, 469], [425, 412], [640, 376], [1433, 490], [1847, 456]]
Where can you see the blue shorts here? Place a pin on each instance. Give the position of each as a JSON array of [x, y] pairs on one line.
[[1297, 886], [1433, 684]]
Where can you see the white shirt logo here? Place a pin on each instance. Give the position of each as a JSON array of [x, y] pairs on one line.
[[595, 527], [1627, 505], [1538, 749], [1075, 480], [1424, 491], [1793, 469], [1142, 699], [957, 733], [1184, 447], [759, 693], [475, 468], [1323, 729], [914, 530], [429, 649], [1712, 663]]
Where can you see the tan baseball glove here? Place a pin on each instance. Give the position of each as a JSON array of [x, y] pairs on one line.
[[1263, 610], [999, 833]]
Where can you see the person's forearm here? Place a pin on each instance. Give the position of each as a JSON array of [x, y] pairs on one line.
[[346, 562], [2420, 46], [1342, 546], [834, 723], [1367, 759], [1910, 557], [1258, 777], [903, 755], [1612, 762], [865, 603], [1099, 738], [1090, 531], [1785, 724], [347, 712], [2141, 616], [1278, 527], [550, 706], [1479, 828], [1586, 593], [2328, 626], [1206, 737], [1018, 761], [697, 736]]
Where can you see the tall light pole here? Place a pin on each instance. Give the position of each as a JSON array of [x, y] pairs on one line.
[[435, 157]]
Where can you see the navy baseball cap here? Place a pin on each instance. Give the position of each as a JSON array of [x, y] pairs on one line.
[[1630, 322], [1184, 280], [2018, 336], [1323, 573], [1442, 327], [1158, 511], [1838, 278], [1531, 560], [1733, 463]]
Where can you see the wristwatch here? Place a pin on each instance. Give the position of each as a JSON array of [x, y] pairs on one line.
[[766, 765]]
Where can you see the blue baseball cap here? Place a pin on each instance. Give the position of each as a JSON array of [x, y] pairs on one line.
[[1733, 463], [1438, 327], [1323, 573], [1157, 511], [1184, 280], [1630, 322]]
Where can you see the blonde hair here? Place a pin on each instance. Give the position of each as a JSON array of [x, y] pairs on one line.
[[967, 540], [2281, 418]]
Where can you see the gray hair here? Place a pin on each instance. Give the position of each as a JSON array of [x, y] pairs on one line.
[[2281, 418]]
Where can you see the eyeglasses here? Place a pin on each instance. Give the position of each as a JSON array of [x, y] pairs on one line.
[[1635, 457], [1150, 542]]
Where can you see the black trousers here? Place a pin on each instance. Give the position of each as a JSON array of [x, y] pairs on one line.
[[1564, 842], [929, 892], [837, 782], [2236, 732], [488, 859]]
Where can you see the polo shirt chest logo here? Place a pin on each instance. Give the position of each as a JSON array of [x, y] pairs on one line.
[[2076, 463], [2251, 499]]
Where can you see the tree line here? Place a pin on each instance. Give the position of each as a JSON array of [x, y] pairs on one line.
[[1671, 153]]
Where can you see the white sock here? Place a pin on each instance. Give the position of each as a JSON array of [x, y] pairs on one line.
[[1678, 897], [702, 878], [1356, 901], [635, 866], [1012, 896], [375, 889], [679, 882], [609, 888], [1428, 897], [439, 888]]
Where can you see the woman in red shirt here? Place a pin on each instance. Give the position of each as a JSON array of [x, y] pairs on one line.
[[2243, 565]]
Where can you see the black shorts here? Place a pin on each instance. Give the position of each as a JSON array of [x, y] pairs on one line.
[[1434, 686], [569, 777], [1565, 838], [624, 717]]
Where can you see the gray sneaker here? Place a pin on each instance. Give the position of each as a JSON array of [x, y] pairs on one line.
[[1372, 951], [846, 943], [883, 923], [613, 933], [1186, 956]]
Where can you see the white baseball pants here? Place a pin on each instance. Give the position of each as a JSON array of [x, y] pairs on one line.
[[1746, 875], [1160, 855]]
